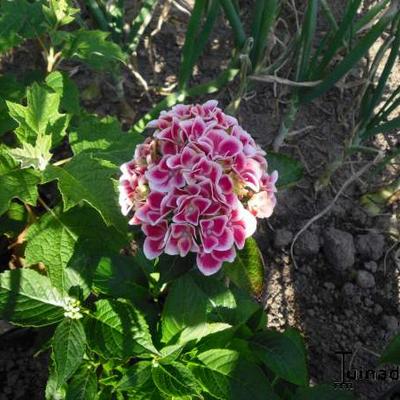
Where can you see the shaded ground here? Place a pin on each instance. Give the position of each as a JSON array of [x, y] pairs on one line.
[[338, 295]]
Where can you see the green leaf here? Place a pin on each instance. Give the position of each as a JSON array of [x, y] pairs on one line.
[[12, 90], [321, 392], [290, 171], [175, 379], [391, 354], [65, 242], [89, 179], [226, 376], [68, 348], [40, 116], [15, 182], [282, 355], [14, 220], [92, 48], [172, 267], [59, 13], [53, 391], [28, 299], [66, 88], [247, 270], [83, 385], [104, 139], [118, 330], [137, 380], [19, 20], [121, 276], [177, 314], [37, 156]]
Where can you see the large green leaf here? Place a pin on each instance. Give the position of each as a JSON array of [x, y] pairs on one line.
[[175, 380], [120, 276], [12, 90], [226, 376], [290, 171], [16, 182], [68, 348], [104, 139], [137, 380], [19, 20], [92, 48], [391, 354], [83, 385], [185, 307], [118, 330], [28, 299], [247, 270], [66, 88], [89, 179], [282, 355], [40, 116], [68, 243]]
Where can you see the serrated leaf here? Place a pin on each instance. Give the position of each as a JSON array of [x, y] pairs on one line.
[[14, 220], [15, 182], [12, 90], [247, 270], [65, 243], [118, 330], [226, 376], [68, 348], [391, 355], [282, 355], [28, 299], [92, 48], [40, 116], [83, 385], [290, 171], [175, 379], [59, 12], [37, 156], [19, 20], [137, 381], [104, 139], [120, 276], [53, 391], [66, 88], [89, 180], [185, 307]]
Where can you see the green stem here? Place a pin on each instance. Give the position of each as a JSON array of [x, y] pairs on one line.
[[98, 14]]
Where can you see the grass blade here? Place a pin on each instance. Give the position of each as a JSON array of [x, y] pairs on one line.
[[187, 63], [381, 128], [394, 53], [329, 15], [306, 40], [140, 23], [338, 38], [370, 15], [97, 14], [234, 20], [268, 13], [349, 61]]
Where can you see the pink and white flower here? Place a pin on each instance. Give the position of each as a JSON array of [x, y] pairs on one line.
[[197, 185]]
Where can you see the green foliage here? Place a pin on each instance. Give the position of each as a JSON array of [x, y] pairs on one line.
[[68, 349], [290, 171], [28, 299], [247, 270], [391, 354]]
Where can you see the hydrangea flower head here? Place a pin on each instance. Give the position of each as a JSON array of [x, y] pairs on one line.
[[197, 185]]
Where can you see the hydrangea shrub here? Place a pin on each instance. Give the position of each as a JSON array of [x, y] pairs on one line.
[[197, 185]]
